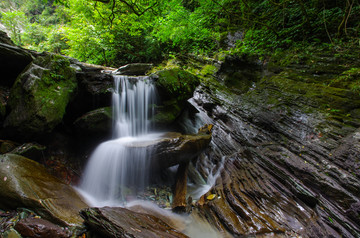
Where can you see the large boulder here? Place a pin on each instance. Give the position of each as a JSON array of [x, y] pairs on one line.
[[121, 222], [175, 87], [40, 95], [94, 91], [26, 183]]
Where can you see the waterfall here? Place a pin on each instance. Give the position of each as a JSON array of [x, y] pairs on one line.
[[116, 170], [131, 100]]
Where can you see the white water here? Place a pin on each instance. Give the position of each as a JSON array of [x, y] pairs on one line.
[[115, 170]]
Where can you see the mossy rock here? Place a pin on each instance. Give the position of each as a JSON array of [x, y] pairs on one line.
[[26, 183], [96, 121], [39, 97], [175, 87]]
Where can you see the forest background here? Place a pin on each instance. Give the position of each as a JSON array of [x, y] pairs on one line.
[[116, 32]]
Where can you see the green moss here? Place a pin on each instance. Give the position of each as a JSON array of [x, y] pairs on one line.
[[208, 70], [42, 93], [177, 82], [175, 87], [349, 79], [55, 88]]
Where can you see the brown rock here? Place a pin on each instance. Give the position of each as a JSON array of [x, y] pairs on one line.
[[121, 222], [40, 228], [179, 202], [26, 183]]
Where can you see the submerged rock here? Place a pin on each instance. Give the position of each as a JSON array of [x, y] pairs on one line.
[[121, 222], [39, 96], [26, 183]]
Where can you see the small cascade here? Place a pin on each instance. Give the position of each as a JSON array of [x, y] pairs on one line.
[[133, 101], [116, 170]]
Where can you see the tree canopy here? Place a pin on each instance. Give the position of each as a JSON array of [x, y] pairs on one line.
[[114, 32]]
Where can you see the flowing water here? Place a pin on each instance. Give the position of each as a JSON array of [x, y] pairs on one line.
[[116, 170]]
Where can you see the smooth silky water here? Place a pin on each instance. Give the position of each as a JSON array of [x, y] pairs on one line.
[[116, 171]]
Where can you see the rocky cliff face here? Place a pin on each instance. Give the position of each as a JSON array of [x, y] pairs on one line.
[[290, 148]]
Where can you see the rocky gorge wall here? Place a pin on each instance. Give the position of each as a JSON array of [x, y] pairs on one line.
[[289, 144]]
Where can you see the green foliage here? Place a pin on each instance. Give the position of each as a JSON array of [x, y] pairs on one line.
[[14, 21], [123, 31]]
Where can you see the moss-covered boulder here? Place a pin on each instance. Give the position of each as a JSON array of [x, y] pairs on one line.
[[96, 121], [39, 97], [26, 183], [175, 87]]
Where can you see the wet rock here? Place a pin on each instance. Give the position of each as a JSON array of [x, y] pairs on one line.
[[13, 61], [121, 222], [26, 183], [173, 148], [174, 220], [39, 97], [289, 149], [179, 202], [40, 228], [96, 121], [133, 69], [176, 148]]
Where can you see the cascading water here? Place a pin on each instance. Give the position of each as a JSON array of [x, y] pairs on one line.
[[116, 170]]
